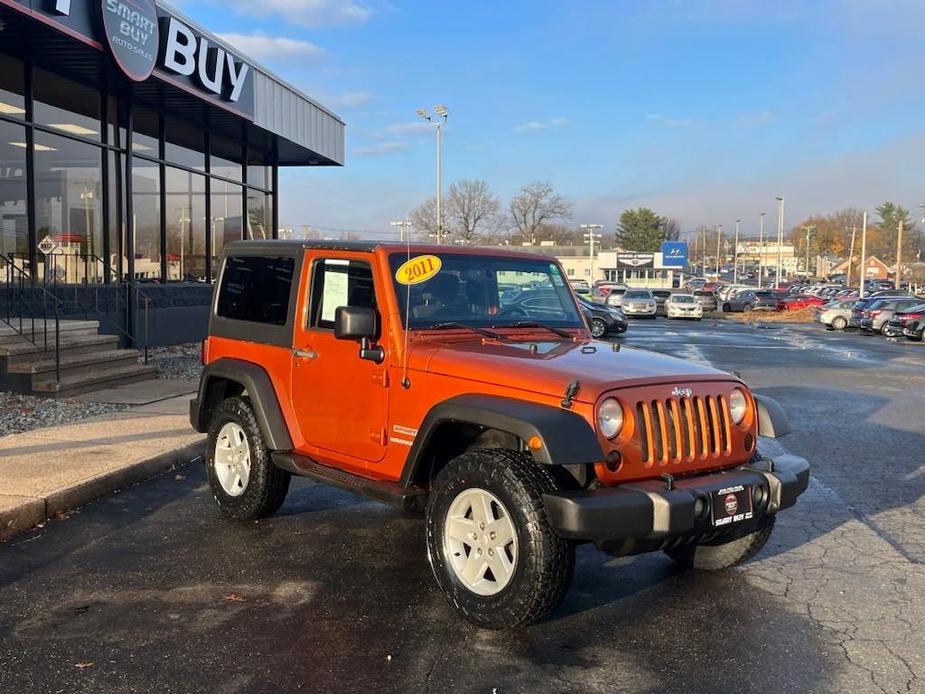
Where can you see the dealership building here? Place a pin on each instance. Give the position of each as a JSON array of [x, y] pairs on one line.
[[135, 144]]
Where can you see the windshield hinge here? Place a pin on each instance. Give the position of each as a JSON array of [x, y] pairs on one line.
[[571, 390]]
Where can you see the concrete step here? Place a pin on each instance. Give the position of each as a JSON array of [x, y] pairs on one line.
[[82, 362], [12, 329], [85, 383], [74, 343], [40, 336]]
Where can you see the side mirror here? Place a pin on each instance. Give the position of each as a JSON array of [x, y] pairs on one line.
[[359, 323]]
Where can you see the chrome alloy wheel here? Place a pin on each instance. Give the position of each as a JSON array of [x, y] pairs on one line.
[[480, 542], [232, 459]]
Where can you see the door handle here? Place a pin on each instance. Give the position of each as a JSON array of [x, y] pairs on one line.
[[304, 354]]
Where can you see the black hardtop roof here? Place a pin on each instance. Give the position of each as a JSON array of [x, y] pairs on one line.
[[295, 246]]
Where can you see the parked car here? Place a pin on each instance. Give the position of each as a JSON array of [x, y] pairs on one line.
[[661, 297], [835, 315], [753, 300], [915, 330], [795, 303], [603, 319], [639, 302], [707, 300], [683, 306], [615, 296], [877, 315], [897, 323]]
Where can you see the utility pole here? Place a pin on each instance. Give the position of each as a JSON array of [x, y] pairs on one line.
[[402, 225], [854, 230], [761, 252], [863, 268], [735, 256], [780, 239], [899, 254], [809, 229], [591, 234], [703, 248], [719, 240]]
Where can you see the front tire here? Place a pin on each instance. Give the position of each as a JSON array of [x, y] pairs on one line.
[[723, 554], [839, 323], [598, 328], [492, 550], [245, 483]]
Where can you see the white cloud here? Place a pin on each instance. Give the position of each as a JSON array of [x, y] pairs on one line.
[[383, 149], [533, 125], [347, 99], [260, 45], [670, 122], [306, 13]]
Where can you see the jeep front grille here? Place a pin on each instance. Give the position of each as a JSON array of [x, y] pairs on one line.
[[683, 429]]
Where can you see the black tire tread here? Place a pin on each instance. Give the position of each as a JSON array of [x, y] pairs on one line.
[[555, 559], [268, 485]]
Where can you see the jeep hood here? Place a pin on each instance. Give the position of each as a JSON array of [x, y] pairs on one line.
[[547, 367]]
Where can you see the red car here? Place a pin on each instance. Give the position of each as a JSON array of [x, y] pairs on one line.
[[800, 302]]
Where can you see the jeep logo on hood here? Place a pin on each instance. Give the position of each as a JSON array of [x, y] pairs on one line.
[[679, 392]]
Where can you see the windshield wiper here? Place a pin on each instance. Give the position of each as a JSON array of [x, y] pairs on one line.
[[454, 324], [536, 324]]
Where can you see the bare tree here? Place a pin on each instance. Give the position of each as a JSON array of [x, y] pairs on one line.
[[536, 205], [671, 229], [424, 219], [472, 210]]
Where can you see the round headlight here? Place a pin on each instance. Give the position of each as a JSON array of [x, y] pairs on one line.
[[738, 404], [610, 418]]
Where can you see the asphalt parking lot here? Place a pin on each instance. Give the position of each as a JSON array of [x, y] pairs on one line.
[[149, 590]]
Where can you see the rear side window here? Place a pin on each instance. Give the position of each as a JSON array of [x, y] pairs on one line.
[[256, 289]]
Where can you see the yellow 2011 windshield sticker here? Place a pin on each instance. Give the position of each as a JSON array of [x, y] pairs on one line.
[[418, 269]]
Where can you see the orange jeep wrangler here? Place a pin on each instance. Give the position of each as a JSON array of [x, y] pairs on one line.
[[465, 383]]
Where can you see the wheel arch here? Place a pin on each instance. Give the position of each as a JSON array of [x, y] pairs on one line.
[[468, 422], [225, 378]]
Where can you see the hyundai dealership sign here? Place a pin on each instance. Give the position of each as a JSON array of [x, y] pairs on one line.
[[674, 254]]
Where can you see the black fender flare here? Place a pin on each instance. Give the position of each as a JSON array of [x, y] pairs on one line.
[[772, 420], [256, 381], [567, 437]]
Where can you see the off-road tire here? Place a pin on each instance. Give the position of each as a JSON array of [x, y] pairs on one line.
[[839, 323], [544, 563], [598, 328], [722, 554], [267, 486]]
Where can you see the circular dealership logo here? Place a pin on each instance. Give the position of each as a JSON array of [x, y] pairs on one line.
[[732, 504], [132, 35]]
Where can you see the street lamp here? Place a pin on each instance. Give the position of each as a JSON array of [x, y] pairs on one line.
[[735, 256], [780, 237], [590, 236], [809, 229], [719, 241], [402, 225], [441, 111], [761, 252]]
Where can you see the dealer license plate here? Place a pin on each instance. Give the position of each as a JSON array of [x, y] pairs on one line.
[[732, 505]]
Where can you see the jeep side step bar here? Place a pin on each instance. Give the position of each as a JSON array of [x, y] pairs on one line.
[[386, 492]]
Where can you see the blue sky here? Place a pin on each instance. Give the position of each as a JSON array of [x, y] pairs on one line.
[[703, 110]]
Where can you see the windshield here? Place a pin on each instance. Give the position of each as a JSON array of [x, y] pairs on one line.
[[487, 291], [637, 295], [683, 299]]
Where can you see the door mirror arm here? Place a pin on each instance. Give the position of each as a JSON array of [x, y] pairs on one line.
[[371, 352]]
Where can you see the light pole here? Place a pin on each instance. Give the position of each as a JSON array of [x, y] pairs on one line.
[[761, 251], [809, 229], [719, 240], [443, 113], [735, 256], [402, 225], [590, 236], [862, 271], [780, 238]]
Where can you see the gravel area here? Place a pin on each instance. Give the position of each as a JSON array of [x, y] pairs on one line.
[[19, 413], [177, 361]]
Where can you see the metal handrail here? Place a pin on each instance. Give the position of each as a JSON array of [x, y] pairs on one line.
[[18, 279]]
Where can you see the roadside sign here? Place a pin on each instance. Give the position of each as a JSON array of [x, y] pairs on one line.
[[47, 245], [674, 254]]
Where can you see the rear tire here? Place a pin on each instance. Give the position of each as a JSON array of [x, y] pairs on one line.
[[534, 567], [724, 554], [245, 483]]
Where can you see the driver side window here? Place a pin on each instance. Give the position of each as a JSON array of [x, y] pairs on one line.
[[338, 282]]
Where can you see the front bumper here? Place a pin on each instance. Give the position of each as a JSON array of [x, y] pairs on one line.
[[649, 511], [633, 311]]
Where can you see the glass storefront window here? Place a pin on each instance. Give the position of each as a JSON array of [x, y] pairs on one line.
[[67, 106], [259, 215], [185, 145], [14, 223], [68, 205], [258, 172], [146, 218], [145, 132], [226, 159], [11, 88], [117, 260], [227, 217], [185, 201]]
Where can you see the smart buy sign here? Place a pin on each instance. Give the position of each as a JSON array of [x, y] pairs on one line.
[[132, 35]]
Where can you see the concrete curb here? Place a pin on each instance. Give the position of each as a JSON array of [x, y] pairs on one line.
[[27, 512]]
